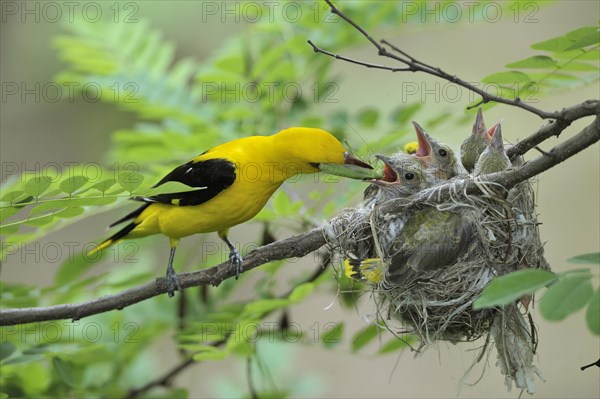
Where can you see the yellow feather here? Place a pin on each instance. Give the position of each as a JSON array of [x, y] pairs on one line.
[[262, 164], [103, 245]]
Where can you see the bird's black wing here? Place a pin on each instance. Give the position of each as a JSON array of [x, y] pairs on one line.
[[211, 176]]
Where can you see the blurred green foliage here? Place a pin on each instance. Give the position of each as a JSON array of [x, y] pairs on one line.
[[185, 106]]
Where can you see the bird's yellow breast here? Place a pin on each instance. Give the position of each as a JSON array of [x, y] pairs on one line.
[[235, 205]]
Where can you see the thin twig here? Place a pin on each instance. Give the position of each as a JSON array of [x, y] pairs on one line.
[[164, 380], [295, 246], [414, 65]]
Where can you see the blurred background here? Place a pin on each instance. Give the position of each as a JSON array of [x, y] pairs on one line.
[[37, 131]]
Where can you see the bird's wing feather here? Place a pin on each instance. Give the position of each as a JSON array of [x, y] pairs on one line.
[[431, 240], [211, 176]]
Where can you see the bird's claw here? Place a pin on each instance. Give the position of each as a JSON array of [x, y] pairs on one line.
[[235, 261], [173, 283]]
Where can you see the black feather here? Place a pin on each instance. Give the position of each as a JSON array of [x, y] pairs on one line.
[[131, 215], [211, 176]]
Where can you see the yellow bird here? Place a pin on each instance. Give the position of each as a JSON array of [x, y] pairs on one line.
[[234, 180]]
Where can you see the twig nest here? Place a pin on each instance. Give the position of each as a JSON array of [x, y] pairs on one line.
[[434, 259]]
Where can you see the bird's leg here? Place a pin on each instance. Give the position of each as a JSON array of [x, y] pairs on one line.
[[235, 259], [171, 276]]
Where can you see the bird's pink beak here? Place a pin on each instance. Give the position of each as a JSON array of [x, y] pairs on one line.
[[424, 149]]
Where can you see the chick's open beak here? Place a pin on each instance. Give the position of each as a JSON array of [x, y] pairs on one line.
[[390, 176], [424, 149]]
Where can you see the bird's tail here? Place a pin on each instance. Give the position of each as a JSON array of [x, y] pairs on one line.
[[113, 239], [121, 233], [370, 270]]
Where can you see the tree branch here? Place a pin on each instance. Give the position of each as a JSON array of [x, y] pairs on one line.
[[554, 128], [292, 247], [299, 245], [414, 65]]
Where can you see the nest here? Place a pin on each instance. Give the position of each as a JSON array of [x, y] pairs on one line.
[[436, 304]]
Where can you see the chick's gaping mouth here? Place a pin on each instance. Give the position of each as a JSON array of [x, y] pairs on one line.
[[424, 149], [389, 176]]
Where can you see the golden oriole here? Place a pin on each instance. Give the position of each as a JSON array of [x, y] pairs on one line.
[[234, 181]]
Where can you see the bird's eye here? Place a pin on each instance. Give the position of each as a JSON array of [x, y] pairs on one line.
[[409, 176], [442, 152]]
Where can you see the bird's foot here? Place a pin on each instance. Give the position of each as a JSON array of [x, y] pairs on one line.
[[172, 283], [235, 261]]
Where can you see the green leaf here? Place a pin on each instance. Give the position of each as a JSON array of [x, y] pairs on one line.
[[73, 268], [208, 352], [349, 171], [332, 334], [301, 292], [592, 316], [23, 359], [64, 370], [368, 117], [567, 296], [363, 337], [12, 195], [554, 45], [395, 344], [6, 349], [36, 186], [592, 258], [62, 203], [70, 212], [404, 114], [579, 67], [508, 77], [581, 32], [507, 289], [5, 213], [104, 185], [130, 180], [535, 62], [263, 306], [589, 39], [73, 183], [39, 221]]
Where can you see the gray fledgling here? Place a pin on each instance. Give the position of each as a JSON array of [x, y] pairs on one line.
[[473, 146], [423, 238], [438, 157], [493, 158]]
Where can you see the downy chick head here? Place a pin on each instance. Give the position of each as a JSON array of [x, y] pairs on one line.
[[493, 158], [475, 144], [437, 156], [403, 175]]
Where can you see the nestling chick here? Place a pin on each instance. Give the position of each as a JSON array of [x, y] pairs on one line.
[[474, 145], [493, 158], [403, 175], [438, 157], [424, 238]]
